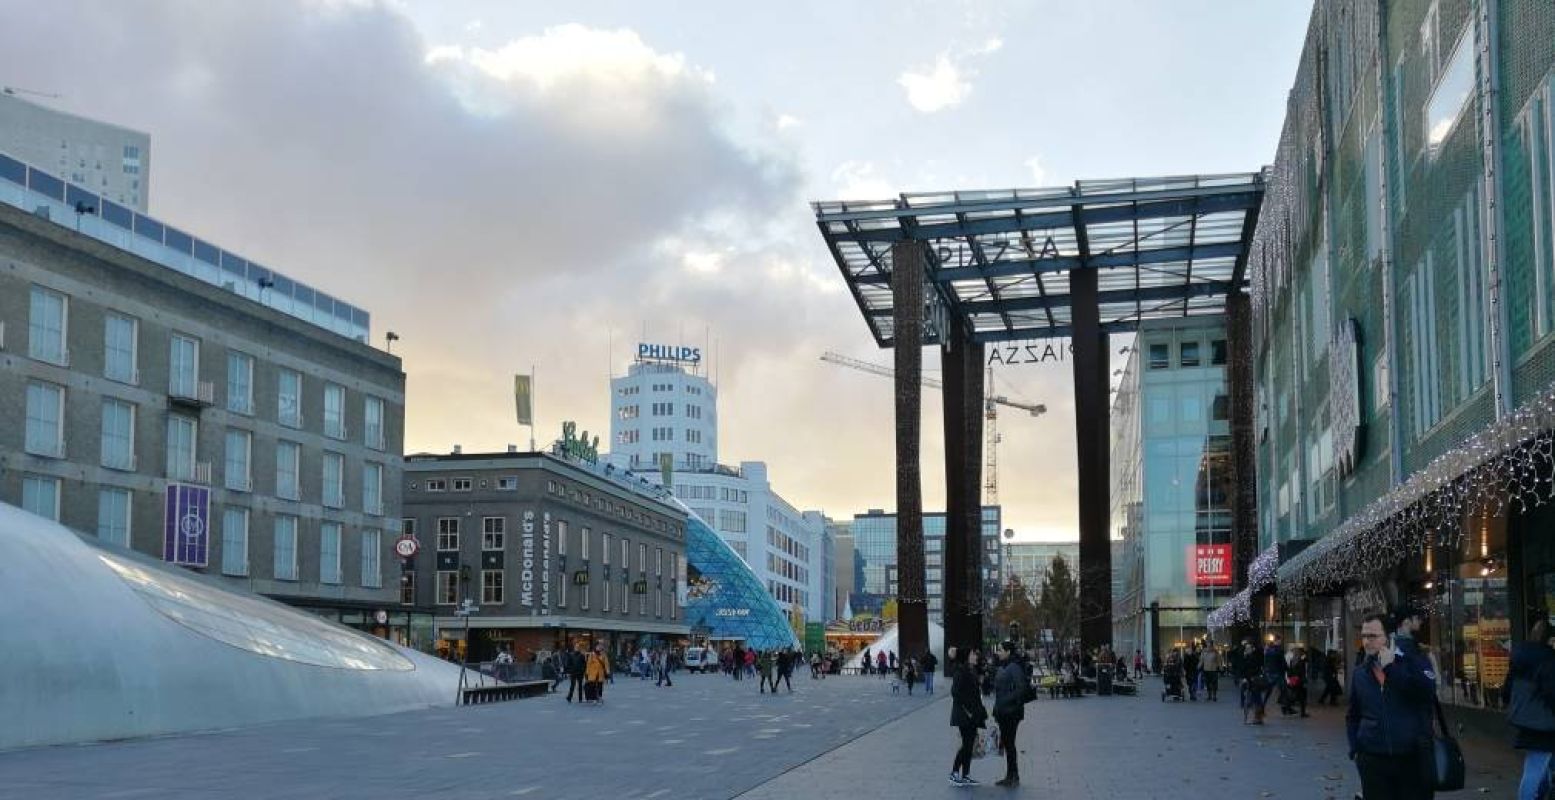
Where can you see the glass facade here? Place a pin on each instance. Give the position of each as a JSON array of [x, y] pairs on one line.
[[874, 559], [724, 599], [1171, 485]]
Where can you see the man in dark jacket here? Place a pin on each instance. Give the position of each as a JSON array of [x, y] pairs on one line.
[[930, 663], [575, 664], [1009, 708], [1529, 694], [1388, 741]]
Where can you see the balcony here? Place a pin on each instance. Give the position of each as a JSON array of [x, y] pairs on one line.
[[191, 393]]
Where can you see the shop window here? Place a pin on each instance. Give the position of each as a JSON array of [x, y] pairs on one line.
[[1472, 627]]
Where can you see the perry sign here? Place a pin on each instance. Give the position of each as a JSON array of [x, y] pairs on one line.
[[1210, 564]]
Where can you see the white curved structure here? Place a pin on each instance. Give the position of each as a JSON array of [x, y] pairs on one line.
[[887, 643], [103, 643]]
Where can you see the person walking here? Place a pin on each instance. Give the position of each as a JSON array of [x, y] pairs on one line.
[[1190, 671], [1139, 664], [750, 663], [967, 715], [1250, 682], [1529, 695], [575, 664], [1009, 708], [930, 664], [664, 670], [1273, 672], [868, 664], [785, 670], [764, 671], [815, 666], [1330, 670], [596, 672], [1209, 667], [880, 662], [910, 673], [1390, 696], [1296, 683]]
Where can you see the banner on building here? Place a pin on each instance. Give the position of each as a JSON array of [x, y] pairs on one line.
[[523, 398], [1210, 564], [186, 525]]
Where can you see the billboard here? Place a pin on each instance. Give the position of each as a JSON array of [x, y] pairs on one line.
[[186, 526], [1209, 564]]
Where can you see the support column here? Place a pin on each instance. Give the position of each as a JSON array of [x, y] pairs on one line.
[[909, 263], [1244, 445], [963, 396], [1093, 413]]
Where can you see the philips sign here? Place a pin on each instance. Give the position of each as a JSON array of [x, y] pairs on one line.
[[664, 352]]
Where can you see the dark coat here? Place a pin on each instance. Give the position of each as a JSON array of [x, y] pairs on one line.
[[1009, 692], [575, 663], [1532, 669], [1394, 720], [966, 704]]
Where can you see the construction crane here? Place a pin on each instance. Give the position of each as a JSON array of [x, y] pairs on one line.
[[991, 403], [16, 90]]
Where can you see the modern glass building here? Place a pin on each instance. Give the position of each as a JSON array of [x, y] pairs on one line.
[[1171, 484], [874, 559], [1404, 331], [724, 598]]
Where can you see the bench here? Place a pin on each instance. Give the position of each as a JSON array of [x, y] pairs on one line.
[[479, 695]]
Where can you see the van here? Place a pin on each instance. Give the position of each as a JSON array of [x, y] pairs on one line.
[[701, 659]]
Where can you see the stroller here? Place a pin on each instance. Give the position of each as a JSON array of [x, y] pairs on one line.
[[1171, 676]]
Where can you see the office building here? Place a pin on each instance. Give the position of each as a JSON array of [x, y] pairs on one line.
[[1029, 561], [874, 558], [110, 161], [152, 401]]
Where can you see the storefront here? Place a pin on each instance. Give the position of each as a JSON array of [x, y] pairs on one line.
[[405, 627]]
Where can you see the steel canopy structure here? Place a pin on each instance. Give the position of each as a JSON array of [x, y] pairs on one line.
[[967, 269], [1001, 260]]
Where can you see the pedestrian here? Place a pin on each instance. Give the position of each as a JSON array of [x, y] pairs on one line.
[[1529, 694], [1274, 672], [910, 673], [785, 670], [596, 672], [1190, 671], [1296, 682], [894, 664], [967, 714], [1209, 667], [868, 665], [1330, 669], [664, 670], [575, 667], [1139, 664], [1011, 690], [930, 664], [764, 670], [738, 661], [815, 666], [1389, 744], [880, 662], [1250, 681]]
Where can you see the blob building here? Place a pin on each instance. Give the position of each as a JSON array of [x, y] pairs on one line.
[[724, 599]]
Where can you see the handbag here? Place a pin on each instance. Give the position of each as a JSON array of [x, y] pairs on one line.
[[987, 743], [1448, 768]]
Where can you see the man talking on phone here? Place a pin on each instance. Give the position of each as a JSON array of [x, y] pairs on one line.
[[1388, 721]]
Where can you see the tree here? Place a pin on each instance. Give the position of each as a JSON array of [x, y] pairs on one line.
[[888, 611], [1015, 604], [1059, 606]]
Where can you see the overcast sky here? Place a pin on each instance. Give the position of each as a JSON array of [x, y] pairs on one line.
[[507, 184]]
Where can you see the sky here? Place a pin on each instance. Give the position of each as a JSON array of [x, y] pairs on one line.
[[522, 185]]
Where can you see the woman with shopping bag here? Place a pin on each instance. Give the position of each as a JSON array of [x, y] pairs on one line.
[[967, 714]]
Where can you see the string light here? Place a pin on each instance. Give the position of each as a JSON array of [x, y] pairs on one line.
[[1260, 574]]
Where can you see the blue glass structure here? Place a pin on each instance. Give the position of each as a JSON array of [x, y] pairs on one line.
[[724, 599]]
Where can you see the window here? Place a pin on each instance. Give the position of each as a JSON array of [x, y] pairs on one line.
[[1189, 352], [1220, 408], [463, 484], [1451, 95], [583, 547], [1536, 124], [120, 334], [181, 437], [183, 376], [45, 420], [507, 483], [113, 516], [234, 541], [437, 485], [1217, 352], [372, 488], [1473, 306], [288, 484], [447, 533], [372, 423], [731, 521], [285, 548], [329, 552], [41, 496], [561, 561], [493, 533], [408, 587], [447, 588], [334, 474], [1160, 356], [372, 559], [49, 316], [334, 411], [289, 399], [1420, 291], [240, 445], [604, 559], [240, 383], [491, 586]]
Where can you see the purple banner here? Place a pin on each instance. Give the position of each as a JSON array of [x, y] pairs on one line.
[[186, 526]]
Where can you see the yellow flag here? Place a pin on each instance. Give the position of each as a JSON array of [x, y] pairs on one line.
[[523, 391]]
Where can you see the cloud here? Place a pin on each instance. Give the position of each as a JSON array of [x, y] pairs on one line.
[[1038, 172], [856, 180], [935, 88], [786, 121]]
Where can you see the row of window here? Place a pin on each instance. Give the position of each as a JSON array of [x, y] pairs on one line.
[[41, 496], [48, 334], [608, 505], [1189, 354], [505, 483], [788, 594], [727, 494], [44, 436]]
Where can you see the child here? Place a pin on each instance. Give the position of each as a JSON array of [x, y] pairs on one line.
[[910, 673]]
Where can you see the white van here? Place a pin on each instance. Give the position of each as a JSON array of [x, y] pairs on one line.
[[701, 659]]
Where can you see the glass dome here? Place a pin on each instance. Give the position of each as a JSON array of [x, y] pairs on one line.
[[724, 598]]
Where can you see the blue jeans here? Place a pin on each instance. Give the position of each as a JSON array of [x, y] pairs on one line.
[[1536, 775], [928, 681]]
